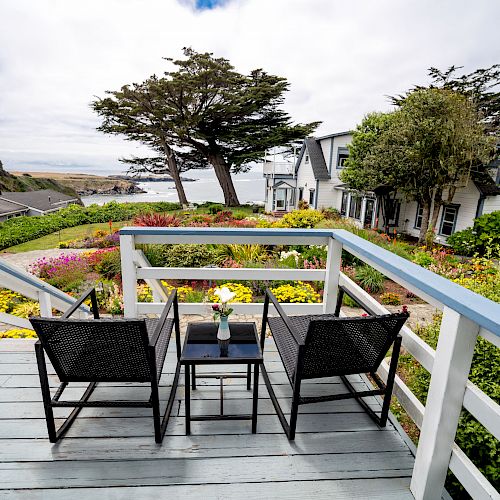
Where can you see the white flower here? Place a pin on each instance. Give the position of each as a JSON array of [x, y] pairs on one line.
[[292, 253], [225, 295]]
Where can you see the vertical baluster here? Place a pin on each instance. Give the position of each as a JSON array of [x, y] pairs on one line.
[[129, 275], [332, 275], [457, 338]]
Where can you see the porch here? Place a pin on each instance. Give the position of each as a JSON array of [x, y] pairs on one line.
[[338, 452]]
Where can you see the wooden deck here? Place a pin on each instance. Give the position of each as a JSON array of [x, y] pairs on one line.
[[110, 452]]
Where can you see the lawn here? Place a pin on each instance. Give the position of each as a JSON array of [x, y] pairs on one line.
[[70, 233]]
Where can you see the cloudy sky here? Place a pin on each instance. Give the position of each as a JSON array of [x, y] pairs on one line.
[[342, 59]]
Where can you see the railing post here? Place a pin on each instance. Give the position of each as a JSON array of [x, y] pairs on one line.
[[45, 304], [129, 275], [457, 338], [331, 287]]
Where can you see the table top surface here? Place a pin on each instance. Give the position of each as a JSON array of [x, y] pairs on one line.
[[201, 344]]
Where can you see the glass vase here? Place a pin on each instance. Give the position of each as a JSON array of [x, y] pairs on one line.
[[223, 332]]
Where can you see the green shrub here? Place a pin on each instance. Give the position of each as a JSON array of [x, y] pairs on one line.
[[423, 259], [463, 242], [109, 264], [189, 255], [369, 279], [21, 229], [390, 298], [483, 238], [300, 219], [216, 207], [154, 254]]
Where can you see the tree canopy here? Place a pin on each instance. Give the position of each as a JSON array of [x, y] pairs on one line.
[[429, 145], [205, 106]]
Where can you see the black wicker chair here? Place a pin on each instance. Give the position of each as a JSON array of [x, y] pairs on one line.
[[105, 350], [325, 345]]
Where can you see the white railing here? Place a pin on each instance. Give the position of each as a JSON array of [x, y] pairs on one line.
[[465, 316], [278, 168], [18, 280]]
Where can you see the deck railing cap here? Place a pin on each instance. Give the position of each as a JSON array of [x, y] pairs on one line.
[[479, 309]]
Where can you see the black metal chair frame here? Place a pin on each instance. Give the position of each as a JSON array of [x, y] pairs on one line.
[[160, 422], [297, 400]]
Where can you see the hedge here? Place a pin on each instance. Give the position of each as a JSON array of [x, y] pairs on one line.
[[21, 229]]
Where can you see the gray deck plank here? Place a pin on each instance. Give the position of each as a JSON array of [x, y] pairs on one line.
[[110, 452], [202, 446], [210, 471], [373, 489]]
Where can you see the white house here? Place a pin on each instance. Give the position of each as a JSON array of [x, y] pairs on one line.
[[316, 180]]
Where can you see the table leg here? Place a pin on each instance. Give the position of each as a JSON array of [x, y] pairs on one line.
[[255, 397], [188, 400], [249, 377], [193, 376]]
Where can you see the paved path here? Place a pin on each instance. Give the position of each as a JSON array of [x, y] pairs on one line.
[[24, 259]]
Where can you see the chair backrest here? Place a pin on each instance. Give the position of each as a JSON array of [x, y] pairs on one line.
[[343, 346], [87, 350]]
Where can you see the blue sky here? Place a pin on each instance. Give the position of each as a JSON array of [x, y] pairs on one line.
[[342, 60], [208, 4]]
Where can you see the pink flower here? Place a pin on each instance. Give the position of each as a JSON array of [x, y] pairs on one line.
[[216, 307]]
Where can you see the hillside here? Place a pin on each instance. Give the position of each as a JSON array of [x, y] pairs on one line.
[[85, 184], [25, 182]]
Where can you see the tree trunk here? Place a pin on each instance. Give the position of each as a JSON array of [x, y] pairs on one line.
[[174, 173], [225, 180], [426, 212], [438, 201]]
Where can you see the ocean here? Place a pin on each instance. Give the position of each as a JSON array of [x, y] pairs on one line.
[[250, 187]]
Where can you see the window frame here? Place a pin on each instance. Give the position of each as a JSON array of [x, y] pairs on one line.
[[345, 197], [311, 197], [342, 154], [418, 215], [455, 207]]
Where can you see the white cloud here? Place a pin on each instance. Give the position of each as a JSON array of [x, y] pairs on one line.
[[341, 58]]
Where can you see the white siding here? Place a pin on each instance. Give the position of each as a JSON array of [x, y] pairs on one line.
[[305, 178], [467, 199], [328, 195], [491, 204], [339, 142]]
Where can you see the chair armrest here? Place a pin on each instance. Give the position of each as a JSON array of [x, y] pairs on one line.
[[81, 300], [172, 300], [284, 317]]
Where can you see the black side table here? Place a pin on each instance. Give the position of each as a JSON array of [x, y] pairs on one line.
[[201, 347]]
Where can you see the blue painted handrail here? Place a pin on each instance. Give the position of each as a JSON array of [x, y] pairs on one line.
[[479, 309]]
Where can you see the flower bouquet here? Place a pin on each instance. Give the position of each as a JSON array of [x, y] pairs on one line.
[[222, 310]]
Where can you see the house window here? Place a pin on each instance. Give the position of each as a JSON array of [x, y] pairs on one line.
[[343, 204], [342, 155], [311, 197], [307, 158], [448, 220], [418, 217], [396, 208], [301, 194], [355, 207], [342, 159]]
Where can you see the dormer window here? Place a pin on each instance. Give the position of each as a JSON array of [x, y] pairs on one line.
[[342, 159]]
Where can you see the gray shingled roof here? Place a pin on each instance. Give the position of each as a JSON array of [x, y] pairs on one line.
[[7, 207], [44, 199], [485, 183], [316, 158]]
